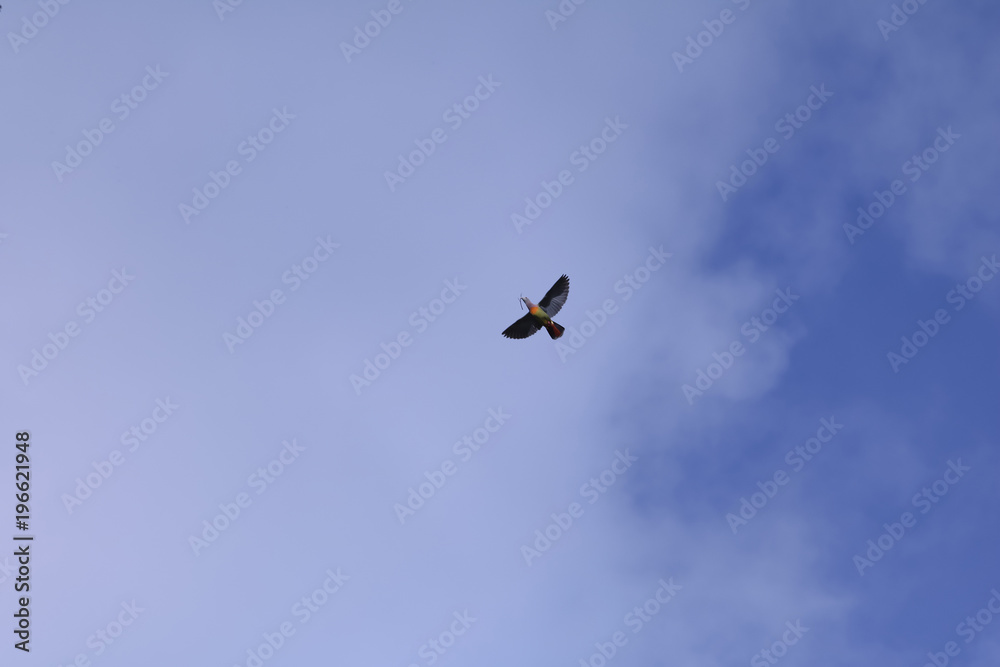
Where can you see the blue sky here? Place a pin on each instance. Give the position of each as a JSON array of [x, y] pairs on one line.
[[808, 499]]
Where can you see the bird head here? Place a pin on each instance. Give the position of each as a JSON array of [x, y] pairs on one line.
[[527, 302]]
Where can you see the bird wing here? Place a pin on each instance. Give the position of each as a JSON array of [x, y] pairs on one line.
[[554, 299], [523, 328]]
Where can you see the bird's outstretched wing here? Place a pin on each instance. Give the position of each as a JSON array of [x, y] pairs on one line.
[[523, 328], [554, 299]]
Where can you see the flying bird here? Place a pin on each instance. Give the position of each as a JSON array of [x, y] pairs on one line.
[[540, 314]]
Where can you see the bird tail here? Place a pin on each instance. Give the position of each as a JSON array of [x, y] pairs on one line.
[[554, 329]]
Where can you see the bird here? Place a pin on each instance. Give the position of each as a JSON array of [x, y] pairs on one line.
[[540, 314]]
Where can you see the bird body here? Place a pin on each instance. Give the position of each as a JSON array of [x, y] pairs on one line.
[[540, 314]]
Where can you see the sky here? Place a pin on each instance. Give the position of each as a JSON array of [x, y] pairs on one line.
[[256, 259]]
